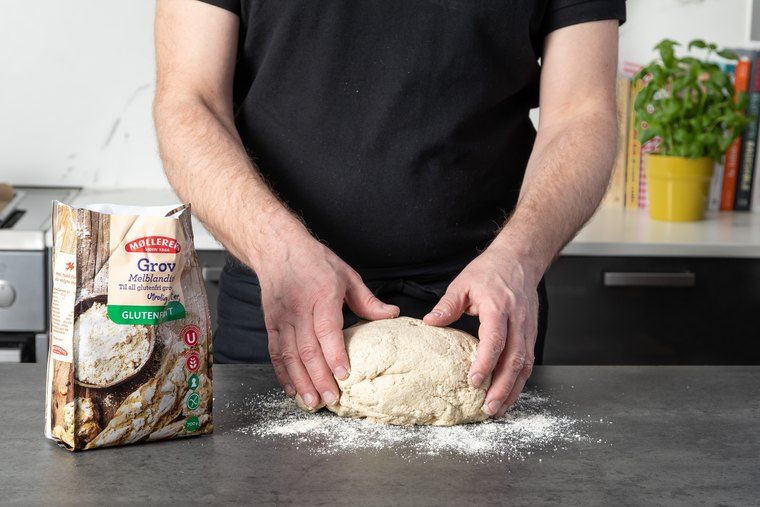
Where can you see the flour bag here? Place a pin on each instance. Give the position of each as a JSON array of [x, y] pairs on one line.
[[130, 338]]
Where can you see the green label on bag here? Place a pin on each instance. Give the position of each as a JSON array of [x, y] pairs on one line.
[[193, 401], [150, 315], [192, 423]]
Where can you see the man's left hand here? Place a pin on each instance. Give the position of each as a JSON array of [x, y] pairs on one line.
[[496, 286]]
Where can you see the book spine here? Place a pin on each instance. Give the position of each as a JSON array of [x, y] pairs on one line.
[[744, 178], [634, 154], [651, 146], [756, 187], [645, 148], [716, 185], [615, 196], [731, 164]]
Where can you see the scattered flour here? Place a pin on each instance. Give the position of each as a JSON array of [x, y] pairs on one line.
[[529, 427]]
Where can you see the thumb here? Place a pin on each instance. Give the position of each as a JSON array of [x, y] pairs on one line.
[[364, 304], [449, 308]]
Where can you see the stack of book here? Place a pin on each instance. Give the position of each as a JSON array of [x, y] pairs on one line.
[[734, 186]]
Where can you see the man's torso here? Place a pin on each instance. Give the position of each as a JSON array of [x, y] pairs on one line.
[[397, 129]]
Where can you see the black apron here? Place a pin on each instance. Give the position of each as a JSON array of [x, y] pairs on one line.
[[241, 337]]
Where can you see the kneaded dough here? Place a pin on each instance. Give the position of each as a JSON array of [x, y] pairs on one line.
[[405, 372]]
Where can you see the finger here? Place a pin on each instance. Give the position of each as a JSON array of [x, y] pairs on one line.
[[295, 368], [364, 304], [522, 378], [531, 324], [313, 359], [328, 328], [275, 353], [492, 334], [511, 363], [531, 329], [449, 308]]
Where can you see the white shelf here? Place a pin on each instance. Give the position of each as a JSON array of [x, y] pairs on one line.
[[617, 232]]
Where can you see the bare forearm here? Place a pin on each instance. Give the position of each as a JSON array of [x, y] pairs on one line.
[[565, 180], [207, 165]]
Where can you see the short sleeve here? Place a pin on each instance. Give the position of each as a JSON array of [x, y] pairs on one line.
[[228, 5], [562, 13]]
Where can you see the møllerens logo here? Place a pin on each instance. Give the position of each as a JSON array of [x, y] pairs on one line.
[[153, 244]]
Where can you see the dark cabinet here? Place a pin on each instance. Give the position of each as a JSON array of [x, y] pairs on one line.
[[637, 310], [211, 263], [634, 310]]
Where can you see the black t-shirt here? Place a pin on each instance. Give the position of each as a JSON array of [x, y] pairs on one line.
[[398, 129]]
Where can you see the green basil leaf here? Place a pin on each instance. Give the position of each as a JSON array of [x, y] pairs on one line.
[[667, 43], [697, 43], [728, 54]]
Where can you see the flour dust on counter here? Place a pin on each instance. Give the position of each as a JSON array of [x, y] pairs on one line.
[[536, 424]]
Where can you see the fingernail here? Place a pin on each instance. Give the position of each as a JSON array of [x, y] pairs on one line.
[[289, 390], [308, 399], [437, 313], [393, 311], [329, 397], [492, 407], [476, 379], [341, 373]]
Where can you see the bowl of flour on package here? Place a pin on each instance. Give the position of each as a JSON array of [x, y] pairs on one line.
[[130, 338]]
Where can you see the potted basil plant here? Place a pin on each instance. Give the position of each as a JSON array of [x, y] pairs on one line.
[[689, 103]]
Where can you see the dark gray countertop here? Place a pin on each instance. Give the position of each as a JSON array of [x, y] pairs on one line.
[[678, 435]]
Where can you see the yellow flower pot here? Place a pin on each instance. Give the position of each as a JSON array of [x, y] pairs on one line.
[[677, 187]]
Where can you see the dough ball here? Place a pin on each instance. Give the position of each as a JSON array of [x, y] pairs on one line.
[[405, 372]]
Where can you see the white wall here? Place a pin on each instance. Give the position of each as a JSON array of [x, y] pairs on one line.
[[76, 81], [649, 21]]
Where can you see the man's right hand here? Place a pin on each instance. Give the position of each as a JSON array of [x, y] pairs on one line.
[[304, 284], [303, 288]]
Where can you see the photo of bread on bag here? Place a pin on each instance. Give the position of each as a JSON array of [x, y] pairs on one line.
[[130, 349]]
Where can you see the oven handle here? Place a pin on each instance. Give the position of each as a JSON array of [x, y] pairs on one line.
[[649, 279], [211, 274]]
